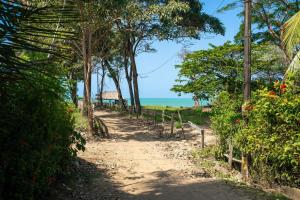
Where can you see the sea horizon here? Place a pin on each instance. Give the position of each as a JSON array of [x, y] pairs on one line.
[[172, 102]]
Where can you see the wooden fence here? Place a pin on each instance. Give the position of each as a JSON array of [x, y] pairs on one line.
[[229, 156], [153, 115]]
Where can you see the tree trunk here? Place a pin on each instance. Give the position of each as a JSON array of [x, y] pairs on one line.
[[87, 65], [129, 82], [84, 57], [135, 82], [102, 85], [247, 51], [247, 76], [196, 102], [86, 49], [117, 84], [73, 89]]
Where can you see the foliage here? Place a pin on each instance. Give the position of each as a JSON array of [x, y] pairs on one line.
[[80, 121], [187, 114], [272, 135], [291, 38], [204, 73], [268, 16], [226, 118], [272, 132], [37, 137], [23, 28], [291, 34]]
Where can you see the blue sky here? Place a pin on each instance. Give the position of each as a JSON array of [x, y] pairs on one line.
[[158, 83]]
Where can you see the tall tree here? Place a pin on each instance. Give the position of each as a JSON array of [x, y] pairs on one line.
[[205, 73], [114, 68], [143, 21], [247, 72], [100, 83], [96, 17], [269, 17]]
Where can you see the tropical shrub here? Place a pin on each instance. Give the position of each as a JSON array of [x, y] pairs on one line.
[[226, 118], [272, 135], [37, 139]]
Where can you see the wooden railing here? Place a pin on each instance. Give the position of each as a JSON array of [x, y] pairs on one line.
[[164, 118]]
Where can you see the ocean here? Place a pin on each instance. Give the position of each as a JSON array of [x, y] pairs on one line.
[[172, 102]]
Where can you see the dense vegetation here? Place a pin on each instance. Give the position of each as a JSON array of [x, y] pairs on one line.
[[195, 115], [46, 47], [266, 128], [37, 134]]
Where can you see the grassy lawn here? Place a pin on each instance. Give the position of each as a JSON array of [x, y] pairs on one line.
[[187, 114]]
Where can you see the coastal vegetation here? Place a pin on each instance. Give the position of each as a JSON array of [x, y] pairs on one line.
[[194, 115], [47, 47], [265, 128]]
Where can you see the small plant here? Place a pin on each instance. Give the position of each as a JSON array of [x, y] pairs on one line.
[[178, 125]]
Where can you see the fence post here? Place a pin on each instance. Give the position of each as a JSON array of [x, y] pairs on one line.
[[202, 138], [180, 121], [245, 167], [163, 122], [230, 153], [154, 118], [172, 124]]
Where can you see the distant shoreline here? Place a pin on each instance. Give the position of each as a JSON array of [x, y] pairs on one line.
[[169, 102]]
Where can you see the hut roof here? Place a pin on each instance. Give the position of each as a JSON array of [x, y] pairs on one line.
[[113, 95]]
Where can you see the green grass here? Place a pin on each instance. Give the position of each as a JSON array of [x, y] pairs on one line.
[[187, 114], [80, 121]]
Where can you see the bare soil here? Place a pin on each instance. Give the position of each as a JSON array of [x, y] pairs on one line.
[[136, 164]]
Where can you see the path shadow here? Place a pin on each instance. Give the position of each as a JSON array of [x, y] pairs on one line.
[[87, 181], [90, 181]]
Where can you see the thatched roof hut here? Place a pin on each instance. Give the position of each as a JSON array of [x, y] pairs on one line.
[[113, 95]]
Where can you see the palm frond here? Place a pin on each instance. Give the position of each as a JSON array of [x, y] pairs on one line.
[[295, 65], [291, 32], [31, 29]]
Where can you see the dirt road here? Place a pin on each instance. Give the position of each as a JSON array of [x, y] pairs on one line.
[[135, 164]]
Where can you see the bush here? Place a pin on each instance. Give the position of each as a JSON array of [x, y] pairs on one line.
[[272, 136], [37, 137], [226, 118]]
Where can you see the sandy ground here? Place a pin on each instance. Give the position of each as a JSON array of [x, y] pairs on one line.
[[136, 164]]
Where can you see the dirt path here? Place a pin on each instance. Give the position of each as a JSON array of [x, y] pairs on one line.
[[135, 164]]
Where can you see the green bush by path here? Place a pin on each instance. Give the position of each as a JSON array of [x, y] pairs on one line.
[[271, 135], [226, 118], [37, 138]]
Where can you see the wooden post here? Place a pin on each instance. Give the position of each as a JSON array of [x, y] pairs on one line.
[[172, 124], [142, 116], [230, 153], [180, 121], [247, 74], [154, 118], [202, 138], [163, 122], [245, 167]]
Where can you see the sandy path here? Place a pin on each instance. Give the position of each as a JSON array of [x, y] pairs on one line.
[[135, 164]]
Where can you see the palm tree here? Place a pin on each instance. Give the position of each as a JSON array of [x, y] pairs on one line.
[[291, 38], [25, 28]]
